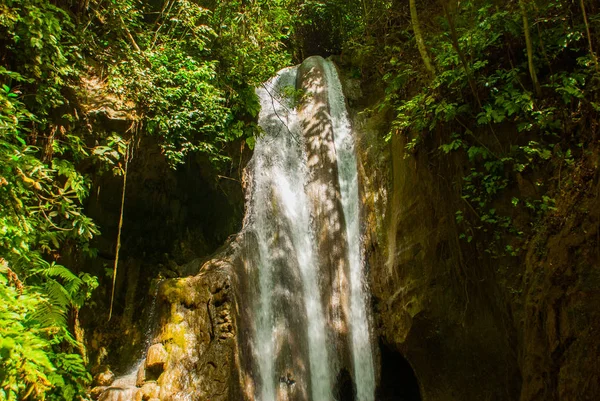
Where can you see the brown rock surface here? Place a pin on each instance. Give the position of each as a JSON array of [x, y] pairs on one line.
[[140, 376], [97, 391], [148, 391], [197, 342], [156, 357], [471, 326], [433, 304], [104, 378]]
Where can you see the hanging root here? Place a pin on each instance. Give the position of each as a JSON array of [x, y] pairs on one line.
[[114, 281]]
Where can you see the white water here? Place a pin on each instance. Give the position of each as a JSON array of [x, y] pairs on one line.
[[123, 388], [280, 178], [348, 178], [280, 217]]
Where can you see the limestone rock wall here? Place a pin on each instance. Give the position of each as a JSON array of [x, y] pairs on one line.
[[473, 327], [197, 334], [432, 302], [193, 353]]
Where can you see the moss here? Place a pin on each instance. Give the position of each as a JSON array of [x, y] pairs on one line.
[[180, 291], [174, 334]]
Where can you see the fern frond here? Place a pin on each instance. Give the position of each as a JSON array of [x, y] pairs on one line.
[[39, 263], [49, 315], [57, 294], [53, 311], [59, 271], [73, 287]]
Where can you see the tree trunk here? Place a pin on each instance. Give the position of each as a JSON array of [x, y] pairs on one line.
[[589, 35], [534, 78], [448, 8], [114, 281], [419, 37]]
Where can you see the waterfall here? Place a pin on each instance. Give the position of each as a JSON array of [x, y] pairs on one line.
[[347, 169], [308, 313], [279, 201]]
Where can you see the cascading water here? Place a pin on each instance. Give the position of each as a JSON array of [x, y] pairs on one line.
[[348, 178], [124, 387], [305, 220], [279, 201]]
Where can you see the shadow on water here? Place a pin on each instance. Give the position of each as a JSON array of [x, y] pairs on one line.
[[345, 389], [328, 218]]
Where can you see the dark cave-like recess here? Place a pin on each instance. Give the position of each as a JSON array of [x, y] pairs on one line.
[[398, 380], [344, 389]]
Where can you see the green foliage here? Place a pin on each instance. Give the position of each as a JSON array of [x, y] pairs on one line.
[[42, 203], [481, 101], [189, 68], [41, 193], [195, 66], [41, 212], [31, 367], [327, 26]]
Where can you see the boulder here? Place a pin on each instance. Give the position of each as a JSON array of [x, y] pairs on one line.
[[148, 391], [156, 358], [104, 378], [97, 391]]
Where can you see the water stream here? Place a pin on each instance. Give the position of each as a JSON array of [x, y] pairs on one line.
[[296, 346], [279, 201], [124, 387], [348, 178]]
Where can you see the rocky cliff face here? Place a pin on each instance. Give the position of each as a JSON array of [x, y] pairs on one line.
[[474, 327], [193, 352], [435, 304], [170, 217], [268, 316]]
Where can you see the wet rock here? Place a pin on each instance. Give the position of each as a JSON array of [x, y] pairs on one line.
[[194, 354], [155, 362], [422, 278], [156, 358], [104, 378], [118, 394], [97, 391], [141, 375], [123, 388], [328, 217], [147, 392], [288, 379]]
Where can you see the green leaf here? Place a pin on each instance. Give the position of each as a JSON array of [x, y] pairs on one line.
[[251, 141]]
